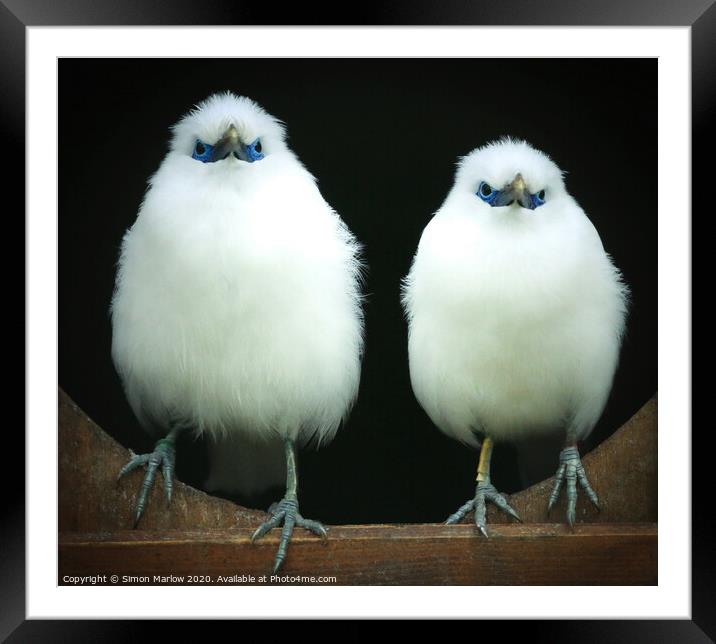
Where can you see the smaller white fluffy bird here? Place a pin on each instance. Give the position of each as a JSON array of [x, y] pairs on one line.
[[237, 307], [515, 315]]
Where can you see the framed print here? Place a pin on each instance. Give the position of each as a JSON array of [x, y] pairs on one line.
[[188, 352]]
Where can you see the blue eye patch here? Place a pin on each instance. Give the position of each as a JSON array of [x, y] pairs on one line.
[[202, 151], [538, 199], [498, 198], [207, 153], [253, 151]]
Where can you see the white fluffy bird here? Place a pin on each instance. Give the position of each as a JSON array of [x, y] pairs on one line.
[[515, 315], [237, 307]]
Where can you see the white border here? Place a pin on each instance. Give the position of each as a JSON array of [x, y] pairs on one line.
[[671, 598]]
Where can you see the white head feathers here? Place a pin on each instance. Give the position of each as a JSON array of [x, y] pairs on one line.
[[212, 117], [500, 161]]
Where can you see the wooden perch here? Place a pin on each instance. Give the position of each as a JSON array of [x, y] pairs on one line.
[[204, 535]]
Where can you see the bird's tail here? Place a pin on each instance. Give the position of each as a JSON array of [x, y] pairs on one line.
[[240, 465]]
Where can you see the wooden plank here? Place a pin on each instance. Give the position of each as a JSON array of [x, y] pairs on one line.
[[536, 554]]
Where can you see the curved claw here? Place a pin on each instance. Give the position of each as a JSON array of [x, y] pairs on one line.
[[136, 461], [146, 486], [501, 502], [286, 512], [480, 511], [163, 455], [571, 470], [288, 523], [480, 514], [584, 482], [314, 526], [558, 479], [484, 492], [168, 476], [571, 477], [267, 526]]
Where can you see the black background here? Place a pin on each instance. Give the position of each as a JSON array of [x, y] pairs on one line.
[[382, 136]]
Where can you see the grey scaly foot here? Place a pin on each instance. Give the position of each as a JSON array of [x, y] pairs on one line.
[[286, 512], [571, 470], [163, 455], [484, 492]]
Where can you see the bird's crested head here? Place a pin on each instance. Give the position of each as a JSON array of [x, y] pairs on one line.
[[509, 175], [226, 128]]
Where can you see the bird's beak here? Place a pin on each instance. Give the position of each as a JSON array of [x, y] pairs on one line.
[[229, 144], [515, 192]]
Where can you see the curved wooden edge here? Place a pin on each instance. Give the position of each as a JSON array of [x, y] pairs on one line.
[[91, 500], [622, 470]]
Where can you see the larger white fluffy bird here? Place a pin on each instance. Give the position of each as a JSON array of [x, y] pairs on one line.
[[515, 315], [237, 307]]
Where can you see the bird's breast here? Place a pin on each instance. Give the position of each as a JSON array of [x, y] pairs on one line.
[[508, 333], [240, 311]]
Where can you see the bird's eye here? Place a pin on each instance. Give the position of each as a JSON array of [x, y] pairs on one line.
[[202, 151], [538, 199], [486, 193], [254, 151]]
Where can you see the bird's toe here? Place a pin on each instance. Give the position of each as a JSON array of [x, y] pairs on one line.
[[570, 472], [285, 513], [457, 516], [313, 526], [161, 457]]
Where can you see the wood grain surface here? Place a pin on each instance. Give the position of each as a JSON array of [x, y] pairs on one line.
[[204, 535], [537, 554]]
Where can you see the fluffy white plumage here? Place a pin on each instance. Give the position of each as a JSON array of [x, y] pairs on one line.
[[515, 315], [237, 304]]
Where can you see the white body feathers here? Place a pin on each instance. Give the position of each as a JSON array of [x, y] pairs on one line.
[[515, 315], [237, 304]]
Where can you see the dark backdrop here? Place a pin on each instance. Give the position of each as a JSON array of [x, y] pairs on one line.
[[382, 136]]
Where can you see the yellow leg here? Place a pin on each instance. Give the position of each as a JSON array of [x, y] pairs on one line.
[[483, 467]]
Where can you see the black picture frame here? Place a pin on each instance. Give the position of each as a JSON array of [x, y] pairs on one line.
[[700, 15]]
